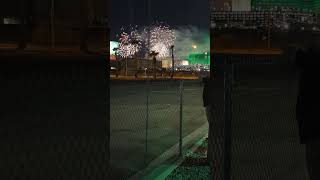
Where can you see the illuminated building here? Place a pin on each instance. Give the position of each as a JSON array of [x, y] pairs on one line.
[[199, 58], [113, 45]]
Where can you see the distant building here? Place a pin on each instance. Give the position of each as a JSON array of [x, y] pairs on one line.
[[167, 63]]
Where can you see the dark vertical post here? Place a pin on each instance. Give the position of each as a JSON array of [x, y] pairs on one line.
[[227, 118], [108, 98], [153, 54], [172, 48], [180, 122], [154, 67], [147, 121]]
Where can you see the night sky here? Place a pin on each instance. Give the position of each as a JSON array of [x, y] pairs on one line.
[[172, 12]]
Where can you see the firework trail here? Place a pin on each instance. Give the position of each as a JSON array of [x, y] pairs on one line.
[[129, 43]]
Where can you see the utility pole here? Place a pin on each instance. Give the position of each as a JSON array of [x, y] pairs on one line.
[[148, 3], [172, 49]]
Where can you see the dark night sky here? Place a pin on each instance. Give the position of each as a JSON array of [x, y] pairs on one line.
[[173, 12]]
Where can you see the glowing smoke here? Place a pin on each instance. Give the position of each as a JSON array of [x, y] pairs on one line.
[[189, 36]]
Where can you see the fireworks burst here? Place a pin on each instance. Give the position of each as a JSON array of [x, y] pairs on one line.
[[161, 38], [129, 43]]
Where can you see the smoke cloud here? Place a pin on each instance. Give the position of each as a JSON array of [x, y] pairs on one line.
[[189, 36]]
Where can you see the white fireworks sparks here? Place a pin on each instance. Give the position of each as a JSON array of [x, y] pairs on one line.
[[129, 44], [161, 39]]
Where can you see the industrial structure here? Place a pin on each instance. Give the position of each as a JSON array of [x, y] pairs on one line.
[[54, 23]]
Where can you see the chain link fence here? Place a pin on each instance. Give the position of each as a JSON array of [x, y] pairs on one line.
[[150, 118], [255, 133]]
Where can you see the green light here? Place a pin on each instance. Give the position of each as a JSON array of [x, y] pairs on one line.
[[199, 58], [297, 4]]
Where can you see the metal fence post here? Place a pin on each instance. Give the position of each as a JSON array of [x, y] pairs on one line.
[[227, 119], [180, 122], [147, 121]]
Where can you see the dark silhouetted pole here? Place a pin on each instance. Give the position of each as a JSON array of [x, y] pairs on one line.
[[154, 54], [269, 29], [172, 55]]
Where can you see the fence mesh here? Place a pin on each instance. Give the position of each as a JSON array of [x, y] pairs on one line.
[[193, 113], [264, 129], [164, 116], [264, 132], [146, 119], [128, 120]]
